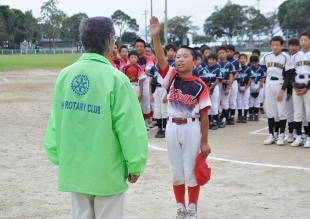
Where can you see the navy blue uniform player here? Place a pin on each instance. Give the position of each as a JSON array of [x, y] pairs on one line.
[[227, 71], [210, 74], [234, 87]]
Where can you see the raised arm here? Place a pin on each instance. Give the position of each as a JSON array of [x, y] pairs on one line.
[[160, 55]]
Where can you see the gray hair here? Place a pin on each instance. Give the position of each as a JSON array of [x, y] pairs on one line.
[[96, 33]]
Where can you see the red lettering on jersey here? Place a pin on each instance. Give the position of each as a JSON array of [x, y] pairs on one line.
[[176, 95]]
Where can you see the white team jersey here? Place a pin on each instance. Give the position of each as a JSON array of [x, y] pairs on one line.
[[301, 63], [276, 64]]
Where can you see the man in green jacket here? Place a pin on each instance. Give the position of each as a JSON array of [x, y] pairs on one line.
[[95, 132]]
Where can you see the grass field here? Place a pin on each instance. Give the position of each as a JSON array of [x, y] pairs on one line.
[[26, 62]]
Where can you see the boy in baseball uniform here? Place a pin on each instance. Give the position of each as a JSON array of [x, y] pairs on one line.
[[301, 86], [257, 83], [277, 79], [188, 101], [244, 82]]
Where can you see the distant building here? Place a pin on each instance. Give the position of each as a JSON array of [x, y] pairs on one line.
[[46, 43]]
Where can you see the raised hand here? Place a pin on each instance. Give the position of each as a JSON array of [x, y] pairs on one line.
[[154, 26]]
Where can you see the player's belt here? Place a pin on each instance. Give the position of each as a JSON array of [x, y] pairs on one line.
[[158, 85], [275, 78], [135, 83], [181, 121], [303, 76]]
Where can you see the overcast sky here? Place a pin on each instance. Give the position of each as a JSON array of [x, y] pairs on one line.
[[198, 9]]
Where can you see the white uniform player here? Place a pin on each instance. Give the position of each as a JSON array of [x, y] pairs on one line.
[[301, 85], [276, 62]]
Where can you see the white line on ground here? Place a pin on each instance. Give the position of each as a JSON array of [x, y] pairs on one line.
[[243, 162], [5, 79], [257, 132]]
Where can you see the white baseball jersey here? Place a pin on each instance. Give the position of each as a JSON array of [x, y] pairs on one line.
[[276, 64], [301, 62]]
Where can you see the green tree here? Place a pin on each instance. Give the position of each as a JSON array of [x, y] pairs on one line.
[[71, 26], [200, 39], [52, 19], [31, 27], [179, 27], [124, 22], [225, 22], [129, 37], [294, 14], [273, 23]]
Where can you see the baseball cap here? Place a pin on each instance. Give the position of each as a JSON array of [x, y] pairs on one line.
[[202, 170]]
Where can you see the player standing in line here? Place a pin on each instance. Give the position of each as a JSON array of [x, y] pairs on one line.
[[171, 51], [135, 73], [301, 86], [227, 71], [257, 83], [278, 77], [234, 86], [123, 61], [293, 48], [205, 51], [159, 97], [148, 50], [188, 101], [146, 63], [236, 55], [244, 82], [210, 75]]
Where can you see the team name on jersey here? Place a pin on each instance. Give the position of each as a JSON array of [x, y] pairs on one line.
[[243, 75], [275, 64], [176, 94], [209, 75], [224, 70], [256, 74], [305, 62]]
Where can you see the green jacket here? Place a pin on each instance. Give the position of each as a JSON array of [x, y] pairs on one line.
[[95, 132]]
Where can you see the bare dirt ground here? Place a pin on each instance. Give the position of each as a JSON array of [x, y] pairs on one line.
[[253, 188]]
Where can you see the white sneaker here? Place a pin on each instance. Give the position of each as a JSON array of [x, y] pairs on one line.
[[181, 212], [298, 142], [290, 138], [191, 212], [280, 141], [294, 134], [307, 144], [270, 140]]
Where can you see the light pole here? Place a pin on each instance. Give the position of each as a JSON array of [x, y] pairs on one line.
[[145, 13], [166, 24], [151, 8]]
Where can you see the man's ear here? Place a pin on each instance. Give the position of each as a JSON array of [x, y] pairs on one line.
[[195, 63]]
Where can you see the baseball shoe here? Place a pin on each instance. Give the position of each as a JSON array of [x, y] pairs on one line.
[[256, 119], [290, 138], [270, 140], [191, 212], [262, 110], [307, 144], [251, 117], [222, 124], [298, 142], [244, 119], [210, 125], [181, 212], [239, 119], [280, 140], [214, 126], [231, 121]]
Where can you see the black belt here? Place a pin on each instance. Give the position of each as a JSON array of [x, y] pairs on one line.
[[158, 85], [275, 79], [303, 76]]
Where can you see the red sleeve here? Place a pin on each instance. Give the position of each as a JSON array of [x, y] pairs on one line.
[[204, 100]]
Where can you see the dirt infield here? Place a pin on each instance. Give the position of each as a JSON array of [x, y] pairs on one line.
[[249, 180]]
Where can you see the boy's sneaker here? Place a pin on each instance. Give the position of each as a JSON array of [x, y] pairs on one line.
[[251, 117], [222, 124], [181, 212], [290, 138], [256, 118], [270, 140], [244, 119], [231, 121], [307, 144], [280, 140], [298, 142], [214, 126], [191, 212], [239, 119]]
